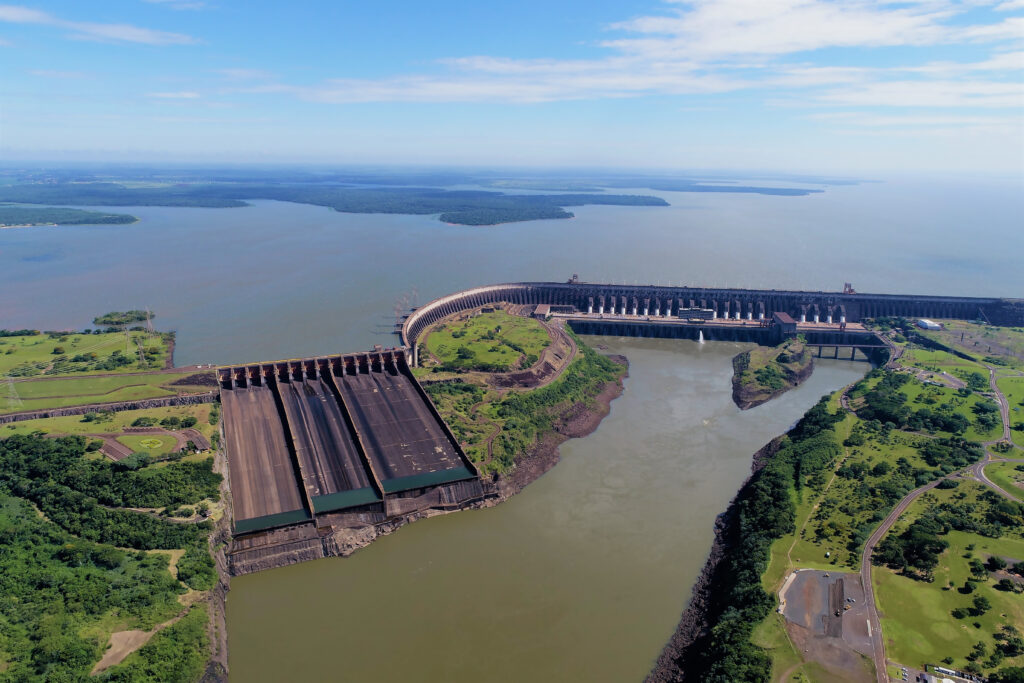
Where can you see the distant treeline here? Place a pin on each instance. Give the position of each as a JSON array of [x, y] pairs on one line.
[[462, 207], [115, 318], [32, 215]]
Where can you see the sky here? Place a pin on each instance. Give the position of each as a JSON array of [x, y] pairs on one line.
[[782, 85]]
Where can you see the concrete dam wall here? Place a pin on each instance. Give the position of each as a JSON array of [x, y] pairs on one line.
[[722, 304]]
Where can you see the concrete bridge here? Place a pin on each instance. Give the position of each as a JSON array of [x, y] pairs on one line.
[[648, 310]]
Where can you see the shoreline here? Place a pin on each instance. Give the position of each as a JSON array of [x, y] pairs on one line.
[[670, 667]]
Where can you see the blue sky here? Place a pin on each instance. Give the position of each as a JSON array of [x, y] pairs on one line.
[[786, 85]]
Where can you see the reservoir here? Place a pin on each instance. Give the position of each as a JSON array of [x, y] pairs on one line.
[[581, 576]]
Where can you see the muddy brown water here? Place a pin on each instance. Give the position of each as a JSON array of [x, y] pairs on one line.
[[582, 576]]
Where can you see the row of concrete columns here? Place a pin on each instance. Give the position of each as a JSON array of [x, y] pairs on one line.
[[240, 377], [623, 305]]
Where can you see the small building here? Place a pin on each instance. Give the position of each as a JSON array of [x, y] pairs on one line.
[[542, 311], [926, 324], [784, 321], [696, 314]]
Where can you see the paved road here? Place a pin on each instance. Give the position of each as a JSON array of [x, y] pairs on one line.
[[877, 642]]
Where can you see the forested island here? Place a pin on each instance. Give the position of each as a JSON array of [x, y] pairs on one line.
[[11, 216], [761, 374], [462, 207]]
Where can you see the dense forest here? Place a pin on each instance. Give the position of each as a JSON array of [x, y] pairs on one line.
[[462, 207], [36, 215], [72, 561]]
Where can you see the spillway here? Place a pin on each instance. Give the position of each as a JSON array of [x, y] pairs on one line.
[[332, 469], [264, 488]]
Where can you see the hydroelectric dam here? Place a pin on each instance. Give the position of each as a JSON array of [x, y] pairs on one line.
[[326, 453]]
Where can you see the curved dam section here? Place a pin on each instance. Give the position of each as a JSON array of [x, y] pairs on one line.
[[649, 303]]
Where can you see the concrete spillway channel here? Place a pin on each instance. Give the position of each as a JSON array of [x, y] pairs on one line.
[[339, 441], [332, 469], [407, 446], [264, 486]]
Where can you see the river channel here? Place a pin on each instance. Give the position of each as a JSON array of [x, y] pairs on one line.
[[582, 576]]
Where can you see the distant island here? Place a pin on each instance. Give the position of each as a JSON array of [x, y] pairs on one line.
[[17, 216], [455, 197], [462, 207]]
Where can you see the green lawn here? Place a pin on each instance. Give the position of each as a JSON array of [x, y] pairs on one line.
[[156, 444], [75, 353], [490, 341], [920, 395], [72, 391], [916, 616], [936, 361], [1013, 389], [117, 422], [1008, 477]]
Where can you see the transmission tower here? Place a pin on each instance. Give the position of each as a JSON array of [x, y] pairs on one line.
[[13, 400]]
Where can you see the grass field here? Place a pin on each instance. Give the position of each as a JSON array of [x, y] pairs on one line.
[[75, 353], [157, 444], [936, 361], [1009, 476], [1013, 389], [495, 342], [916, 615], [982, 340], [75, 391], [117, 422]]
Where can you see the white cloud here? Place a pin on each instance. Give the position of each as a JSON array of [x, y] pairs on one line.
[[713, 46], [84, 30], [970, 93], [181, 95], [719, 29]]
